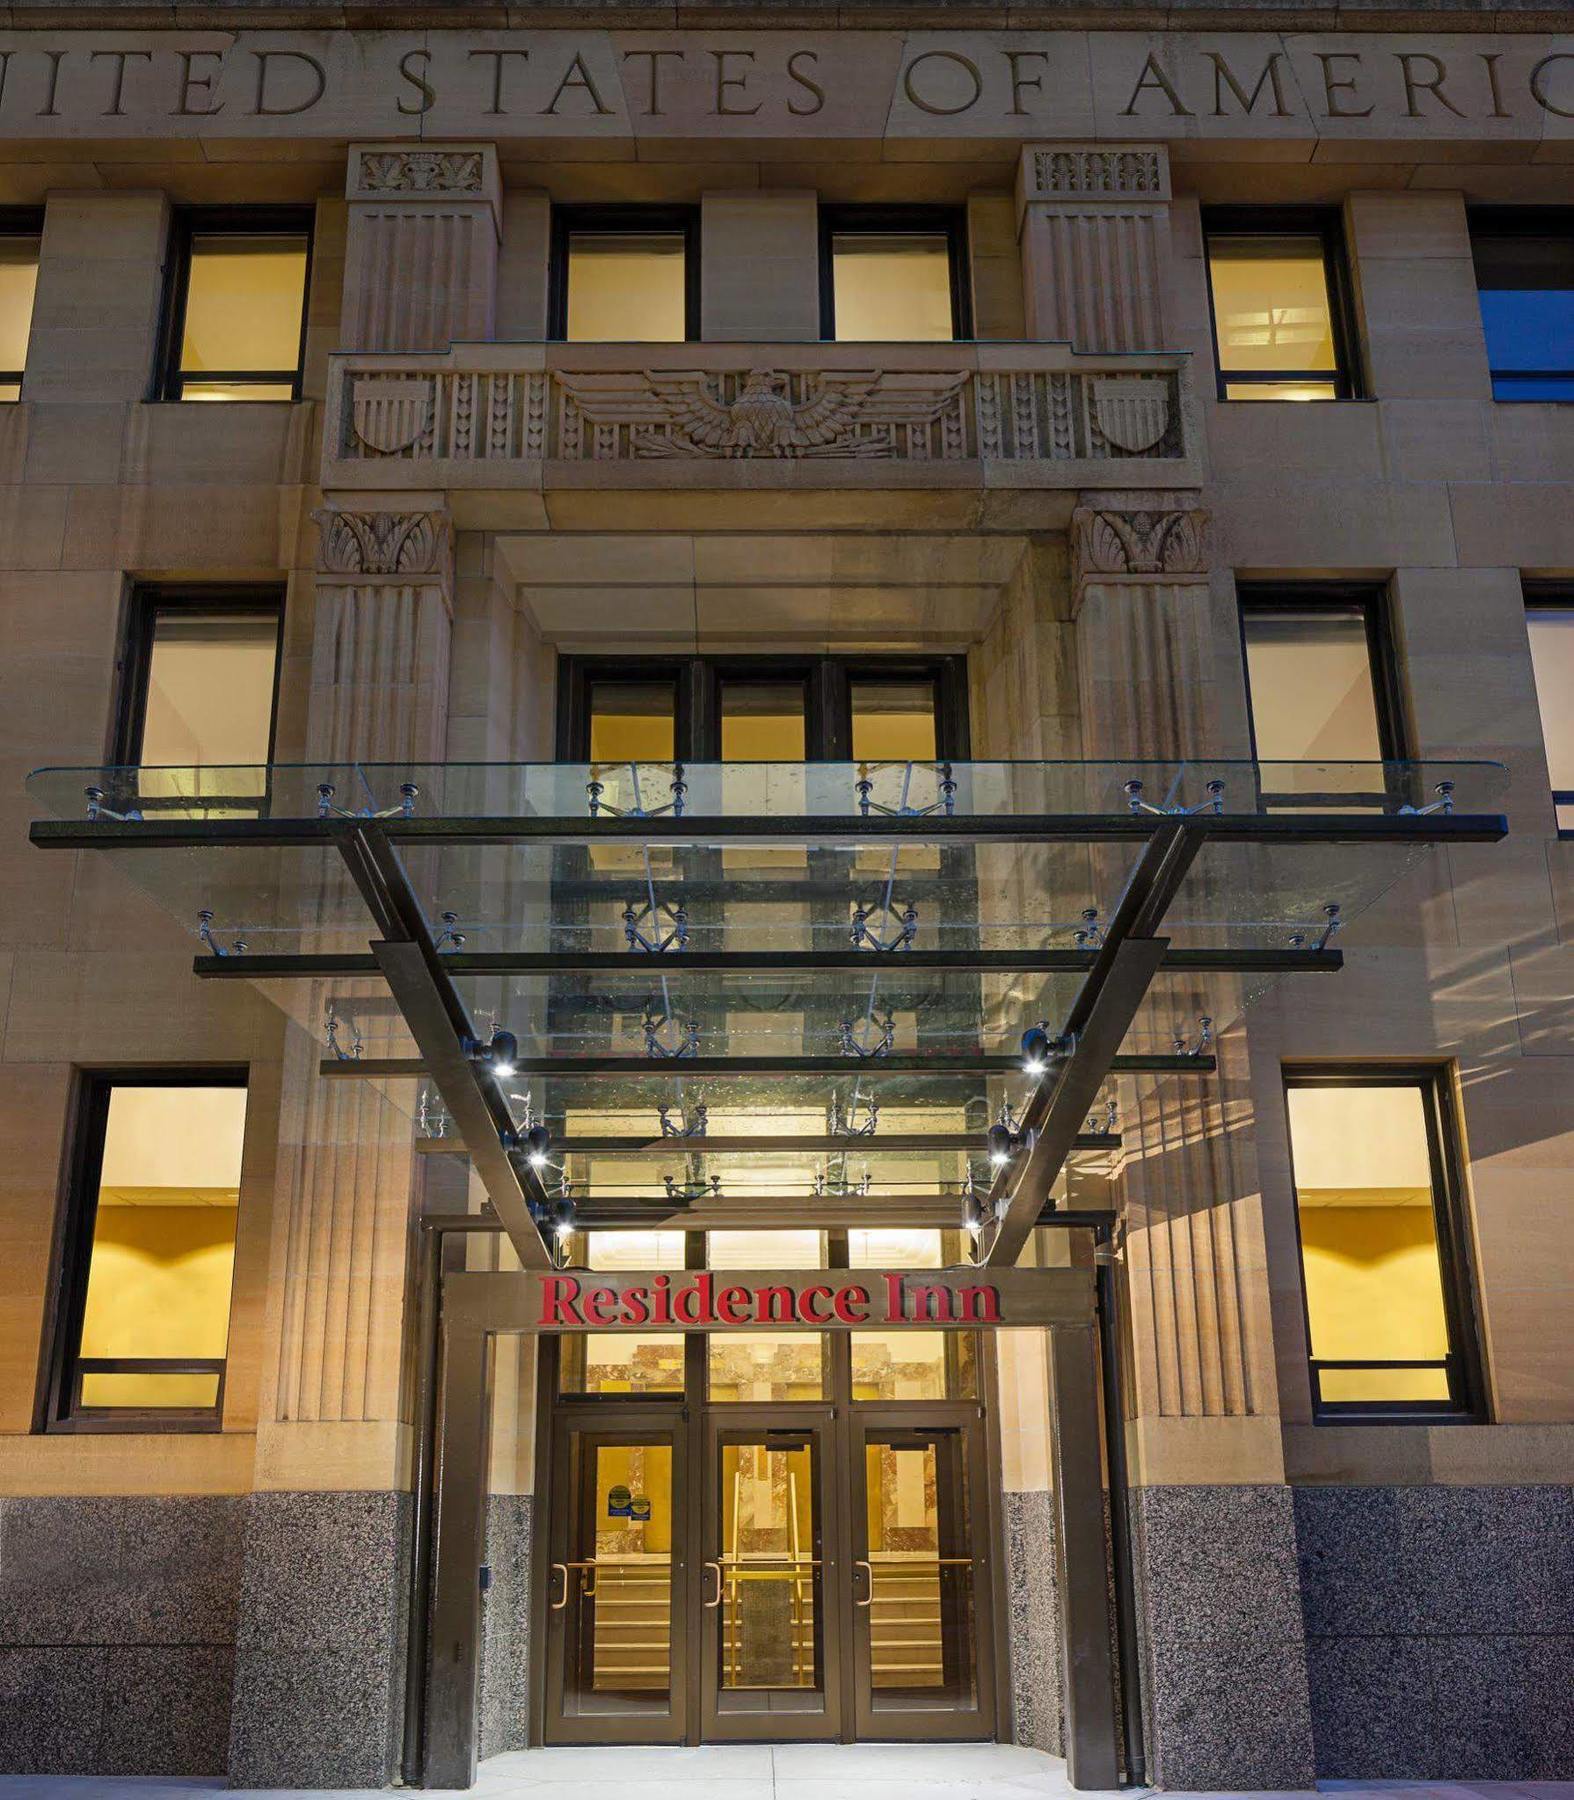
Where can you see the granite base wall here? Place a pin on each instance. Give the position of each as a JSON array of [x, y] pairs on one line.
[[1225, 1701], [117, 1634], [1439, 1631], [320, 1641], [1033, 1618], [504, 1704]]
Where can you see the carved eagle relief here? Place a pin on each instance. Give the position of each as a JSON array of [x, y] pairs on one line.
[[687, 413]]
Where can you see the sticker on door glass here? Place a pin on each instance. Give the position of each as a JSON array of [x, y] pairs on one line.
[[620, 1503]]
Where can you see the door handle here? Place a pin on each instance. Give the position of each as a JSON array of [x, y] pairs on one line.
[[860, 1563], [558, 1605], [711, 1605]]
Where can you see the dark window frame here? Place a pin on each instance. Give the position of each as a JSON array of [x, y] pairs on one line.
[[616, 220], [1372, 598], [146, 603], [228, 221], [57, 1409], [1550, 596], [21, 222], [1522, 222], [697, 687], [1464, 1366], [898, 221], [1325, 223]]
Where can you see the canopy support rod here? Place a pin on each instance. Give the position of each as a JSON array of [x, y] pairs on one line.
[[1100, 1016]]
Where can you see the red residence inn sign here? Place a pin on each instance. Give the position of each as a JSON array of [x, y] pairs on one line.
[[959, 1299]]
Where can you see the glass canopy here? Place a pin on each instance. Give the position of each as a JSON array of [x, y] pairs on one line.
[[774, 980]]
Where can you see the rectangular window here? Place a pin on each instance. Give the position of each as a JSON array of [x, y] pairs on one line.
[[1322, 695], [1524, 258], [760, 1365], [198, 693], [149, 1252], [893, 274], [19, 241], [1551, 622], [237, 314], [616, 1362], [625, 274], [1377, 1203], [1277, 283]]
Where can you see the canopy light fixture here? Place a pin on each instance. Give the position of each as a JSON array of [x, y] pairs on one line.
[[499, 1054]]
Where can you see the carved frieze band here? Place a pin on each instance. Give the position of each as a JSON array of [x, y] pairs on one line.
[[1145, 537], [942, 415], [392, 172], [390, 546], [1095, 172]]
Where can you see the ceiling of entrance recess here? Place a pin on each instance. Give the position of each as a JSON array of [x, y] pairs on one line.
[[762, 590]]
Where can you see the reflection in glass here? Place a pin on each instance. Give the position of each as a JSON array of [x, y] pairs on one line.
[[1313, 697], [1369, 1248], [1552, 653], [1273, 314], [626, 287], [245, 302], [209, 693], [770, 1568], [1526, 283], [893, 721], [892, 287], [163, 1249], [18, 280], [921, 1612]]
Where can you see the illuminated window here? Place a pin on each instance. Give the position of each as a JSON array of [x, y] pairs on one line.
[[18, 281], [761, 1365], [894, 720], [1277, 284], [625, 274], [1551, 621], [618, 1362], [892, 274], [908, 1364], [632, 721], [1376, 1199], [238, 319], [1524, 258], [198, 693], [150, 1252], [1321, 689]]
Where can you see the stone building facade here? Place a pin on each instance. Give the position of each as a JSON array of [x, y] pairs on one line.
[[458, 496]]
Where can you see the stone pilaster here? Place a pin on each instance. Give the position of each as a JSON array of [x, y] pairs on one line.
[[421, 258], [1093, 224]]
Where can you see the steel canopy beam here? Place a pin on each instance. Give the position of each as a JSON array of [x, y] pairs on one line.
[[969, 1141], [411, 1068]]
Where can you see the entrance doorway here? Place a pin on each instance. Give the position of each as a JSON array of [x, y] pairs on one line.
[[816, 1568]]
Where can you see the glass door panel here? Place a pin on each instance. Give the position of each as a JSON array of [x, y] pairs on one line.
[[614, 1674], [769, 1643], [921, 1591]]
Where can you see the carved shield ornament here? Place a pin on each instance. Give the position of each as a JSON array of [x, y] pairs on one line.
[[390, 416], [1133, 412]]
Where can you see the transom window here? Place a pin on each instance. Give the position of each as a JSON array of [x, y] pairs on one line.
[[237, 315], [893, 274], [143, 1321], [19, 242], [1524, 257], [625, 274], [1276, 280], [1383, 1266]]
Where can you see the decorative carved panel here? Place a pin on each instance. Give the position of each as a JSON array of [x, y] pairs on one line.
[[1077, 172], [1162, 539], [411, 546], [418, 172]]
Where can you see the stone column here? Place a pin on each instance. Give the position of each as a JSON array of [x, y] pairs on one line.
[[421, 259], [1093, 221], [1216, 1554], [320, 1632]]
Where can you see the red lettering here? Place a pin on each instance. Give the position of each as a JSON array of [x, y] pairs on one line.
[[980, 1305], [660, 1311], [636, 1305], [601, 1306], [558, 1294], [692, 1305], [728, 1302], [847, 1300], [894, 1308], [773, 1306], [806, 1311], [933, 1303]]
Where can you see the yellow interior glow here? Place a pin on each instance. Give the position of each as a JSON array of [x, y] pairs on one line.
[[244, 301], [18, 282], [892, 288], [1271, 305], [631, 721], [1313, 701], [626, 288]]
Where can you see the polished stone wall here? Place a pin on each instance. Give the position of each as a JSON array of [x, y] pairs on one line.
[[320, 1640], [117, 1633], [1033, 1620], [505, 1626], [1439, 1630]]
